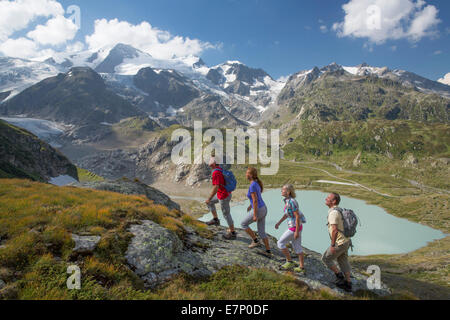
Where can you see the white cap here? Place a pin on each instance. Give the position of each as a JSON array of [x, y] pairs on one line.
[[212, 161]]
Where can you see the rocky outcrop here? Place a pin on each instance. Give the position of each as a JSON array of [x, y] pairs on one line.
[[357, 160], [156, 254], [411, 160], [85, 244], [129, 187]]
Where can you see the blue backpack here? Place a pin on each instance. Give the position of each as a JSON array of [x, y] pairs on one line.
[[230, 180]]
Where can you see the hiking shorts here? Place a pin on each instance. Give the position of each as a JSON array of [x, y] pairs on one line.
[[261, 223], [287, 237], [225, 207], [340, 255]]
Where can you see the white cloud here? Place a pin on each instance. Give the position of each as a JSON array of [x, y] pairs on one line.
[[56, 31], [424, 23], [16, 15], [75, 47], [437, 52], [382, 20], [445, 79], [19, 48], [323, 29], [160, 44]]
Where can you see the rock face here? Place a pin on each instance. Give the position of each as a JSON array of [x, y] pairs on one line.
[[167, 87], [157, 254], [126, 186], [211, 110]]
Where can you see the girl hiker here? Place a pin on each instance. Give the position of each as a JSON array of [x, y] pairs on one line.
[[294, 233], [257, 210]]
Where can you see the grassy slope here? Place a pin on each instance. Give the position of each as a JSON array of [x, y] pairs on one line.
[[36, 222], [87, 176], [385, 147], [22, 146]]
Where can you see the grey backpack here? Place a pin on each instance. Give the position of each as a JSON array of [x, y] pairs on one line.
[[350, 222]]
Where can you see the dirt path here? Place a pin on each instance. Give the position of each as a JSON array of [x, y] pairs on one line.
[[356, 184]]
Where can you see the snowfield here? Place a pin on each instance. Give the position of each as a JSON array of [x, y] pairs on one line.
[[43, 129]]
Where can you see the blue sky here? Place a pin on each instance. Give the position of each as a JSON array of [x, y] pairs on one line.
[[283, 37]]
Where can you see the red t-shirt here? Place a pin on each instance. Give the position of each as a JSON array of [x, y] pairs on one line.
[[219, 179]]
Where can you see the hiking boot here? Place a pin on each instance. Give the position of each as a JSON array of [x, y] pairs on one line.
[[230, 236], [214, 222], [339, 277], [345, 285], [299, 270], [288, 265], [268, 253], [254, 244]]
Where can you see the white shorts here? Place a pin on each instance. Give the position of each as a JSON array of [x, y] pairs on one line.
[[287, 237]]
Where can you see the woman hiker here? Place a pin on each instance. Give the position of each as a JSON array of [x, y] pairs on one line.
[[294, 233], [257, 211]]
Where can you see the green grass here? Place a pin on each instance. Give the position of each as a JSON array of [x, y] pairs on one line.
[[36, 222], [87, 176], [242, 283]]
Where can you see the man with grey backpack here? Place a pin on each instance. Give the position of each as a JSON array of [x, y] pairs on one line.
[[341, 227]]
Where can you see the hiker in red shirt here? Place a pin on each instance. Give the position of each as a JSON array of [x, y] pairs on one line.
[[220, 195]]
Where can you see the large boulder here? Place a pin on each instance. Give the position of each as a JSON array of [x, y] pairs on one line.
[[156, 254]]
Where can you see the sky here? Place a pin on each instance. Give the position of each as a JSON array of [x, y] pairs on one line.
[[282, 37]]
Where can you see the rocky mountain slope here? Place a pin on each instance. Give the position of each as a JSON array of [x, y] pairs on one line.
[[147, 163], [332, 93], [18, 74], [23, 155], [79, 97]]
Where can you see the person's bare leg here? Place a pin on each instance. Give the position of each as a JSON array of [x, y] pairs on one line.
[[251, 233], [214, 213], [286, 254], [266, 243], [301, 260]]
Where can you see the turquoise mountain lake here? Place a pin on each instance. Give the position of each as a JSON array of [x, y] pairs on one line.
[[379, 232]]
